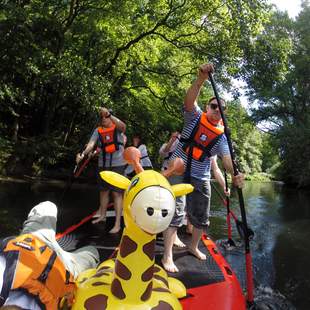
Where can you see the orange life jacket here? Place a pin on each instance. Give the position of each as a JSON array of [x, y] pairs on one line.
[[108, 139], [33, 266], [203, 137]]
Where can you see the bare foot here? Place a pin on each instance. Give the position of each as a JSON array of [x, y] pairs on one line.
[[115, 230], [196, 252], [99, 219], [97, 214], [177, 242], [169, 265]]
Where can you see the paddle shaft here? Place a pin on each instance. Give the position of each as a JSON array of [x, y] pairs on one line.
[[226, 203], [228, 209], [250, 285]]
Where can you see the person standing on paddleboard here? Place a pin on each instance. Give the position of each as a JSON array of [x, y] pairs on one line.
[[110, 138], [202, 137]]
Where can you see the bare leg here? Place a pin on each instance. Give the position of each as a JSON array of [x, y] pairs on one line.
[[104, 200], [118, 202], [189, 226], [167, 260], [193, 247], [177, 242]]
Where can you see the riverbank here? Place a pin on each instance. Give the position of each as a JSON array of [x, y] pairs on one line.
[[27, 178]]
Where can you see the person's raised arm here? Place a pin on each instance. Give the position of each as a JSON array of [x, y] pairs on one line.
[[192, 93], [120, 125]]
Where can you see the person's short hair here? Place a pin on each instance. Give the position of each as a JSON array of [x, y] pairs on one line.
[[214, 98], [11, 308]]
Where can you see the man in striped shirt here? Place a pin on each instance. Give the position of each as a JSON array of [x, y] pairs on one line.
[[198, 163]]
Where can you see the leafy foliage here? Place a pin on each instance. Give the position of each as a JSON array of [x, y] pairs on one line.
[[277, 70], [61, 60]]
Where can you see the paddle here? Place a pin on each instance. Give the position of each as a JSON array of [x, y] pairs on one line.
[[239, 225], [248, 257], [79, 167]]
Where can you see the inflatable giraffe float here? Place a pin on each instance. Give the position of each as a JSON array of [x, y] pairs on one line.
[[133, 280]]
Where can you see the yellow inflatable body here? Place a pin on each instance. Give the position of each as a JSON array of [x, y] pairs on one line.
[[132, 280]]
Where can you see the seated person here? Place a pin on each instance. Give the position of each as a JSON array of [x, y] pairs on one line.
[[35, 272]]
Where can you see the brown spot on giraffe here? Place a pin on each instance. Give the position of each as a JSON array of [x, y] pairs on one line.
[[97, 302], [162, 306], [117, 290], [99, 283], [105, 268], [122, 271], [149, 249], [83, 280], [161, 289], [147, 293], [127, 246], [157, 277], [100, 273], [148, 274]]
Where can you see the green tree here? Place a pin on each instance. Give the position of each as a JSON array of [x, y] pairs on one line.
[[61, 60], [277, 71]]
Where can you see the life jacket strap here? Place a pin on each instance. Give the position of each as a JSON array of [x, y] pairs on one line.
[[9, 273], [43, 276]]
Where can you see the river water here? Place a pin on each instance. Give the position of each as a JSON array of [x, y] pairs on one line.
[[280, 218]]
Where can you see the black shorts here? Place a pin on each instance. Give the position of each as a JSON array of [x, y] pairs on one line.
[[103, 185]]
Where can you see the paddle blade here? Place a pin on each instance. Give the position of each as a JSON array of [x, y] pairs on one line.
[[243, 231]]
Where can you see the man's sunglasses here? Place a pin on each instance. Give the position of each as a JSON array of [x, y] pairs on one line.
[[214, 106]]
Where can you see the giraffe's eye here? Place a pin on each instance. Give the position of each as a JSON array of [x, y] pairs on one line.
[[164, 212], [150, 211]]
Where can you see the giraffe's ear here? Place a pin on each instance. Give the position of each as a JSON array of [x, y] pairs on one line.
[[182, 189], [115, 179]]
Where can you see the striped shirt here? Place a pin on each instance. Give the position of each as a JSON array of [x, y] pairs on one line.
[[199, 170]]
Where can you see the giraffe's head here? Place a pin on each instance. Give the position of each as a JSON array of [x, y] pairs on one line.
[[149, 199]]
